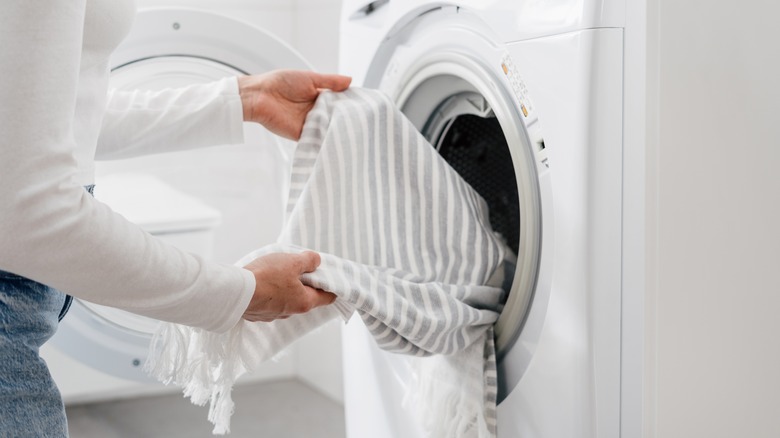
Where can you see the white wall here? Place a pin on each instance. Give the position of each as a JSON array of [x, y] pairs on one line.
[[310, 26], [231, 179], [714, 212]]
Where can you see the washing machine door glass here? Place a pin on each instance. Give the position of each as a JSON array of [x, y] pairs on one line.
[[170, 48]]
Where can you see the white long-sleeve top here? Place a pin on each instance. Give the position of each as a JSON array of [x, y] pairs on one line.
[[56, 115]]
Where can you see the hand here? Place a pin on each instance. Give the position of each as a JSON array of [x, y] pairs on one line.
[[281, 99], [279, 292]]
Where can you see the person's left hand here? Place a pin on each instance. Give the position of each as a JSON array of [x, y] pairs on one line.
[[281, 99]]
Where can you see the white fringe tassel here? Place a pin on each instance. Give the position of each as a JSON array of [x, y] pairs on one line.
[[205, 364]]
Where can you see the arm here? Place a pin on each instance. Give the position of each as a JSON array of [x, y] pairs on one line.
[[208, 114], [50, 229], [146, 122], [53, 232]]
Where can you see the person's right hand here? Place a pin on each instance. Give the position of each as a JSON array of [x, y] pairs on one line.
[[279, 292]]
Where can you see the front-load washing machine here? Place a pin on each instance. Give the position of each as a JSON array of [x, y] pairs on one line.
[[524, 98], [172, 47]]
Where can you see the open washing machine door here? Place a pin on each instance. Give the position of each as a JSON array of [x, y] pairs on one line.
[[465, 94], [169, 48]]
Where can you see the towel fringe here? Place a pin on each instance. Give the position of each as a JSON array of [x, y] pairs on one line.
[[205, 364]]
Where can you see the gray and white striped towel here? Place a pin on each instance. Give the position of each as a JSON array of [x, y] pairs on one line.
[[405, 243]]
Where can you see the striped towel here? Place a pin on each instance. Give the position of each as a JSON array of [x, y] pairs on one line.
[[405, 243]]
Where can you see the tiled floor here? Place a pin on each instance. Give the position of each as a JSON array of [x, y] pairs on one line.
[[284, 409]]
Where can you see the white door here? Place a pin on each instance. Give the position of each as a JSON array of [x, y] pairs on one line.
[[168, 48]]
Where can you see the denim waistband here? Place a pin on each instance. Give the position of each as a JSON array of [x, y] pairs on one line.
[[68, 298]]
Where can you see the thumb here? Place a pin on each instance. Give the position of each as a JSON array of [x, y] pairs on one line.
[[310, 260], [331, 82]]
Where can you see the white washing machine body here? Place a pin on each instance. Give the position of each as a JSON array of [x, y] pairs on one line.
[[551, 74], [170, 47]]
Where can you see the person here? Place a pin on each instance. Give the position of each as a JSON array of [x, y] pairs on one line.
[[56, 117]]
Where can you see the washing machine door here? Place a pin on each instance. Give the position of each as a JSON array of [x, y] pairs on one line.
[[465, 94], [167, 48]]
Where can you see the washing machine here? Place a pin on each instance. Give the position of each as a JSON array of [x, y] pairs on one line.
[[523, 98], [173, 47]]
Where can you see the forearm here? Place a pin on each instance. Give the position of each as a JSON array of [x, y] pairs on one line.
[[58, 235], [147, 122]]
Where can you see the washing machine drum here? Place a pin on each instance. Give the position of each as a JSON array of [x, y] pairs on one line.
[[476, 148]]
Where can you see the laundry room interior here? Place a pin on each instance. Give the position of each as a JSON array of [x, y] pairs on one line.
[[621, 154]]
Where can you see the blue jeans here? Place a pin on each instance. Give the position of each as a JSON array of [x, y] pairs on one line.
[[30, 403]]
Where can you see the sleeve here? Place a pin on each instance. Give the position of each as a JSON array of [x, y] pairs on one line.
[[146, 122], [51, 230]]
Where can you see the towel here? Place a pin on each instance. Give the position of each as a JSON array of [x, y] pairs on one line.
[[405, 243]]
